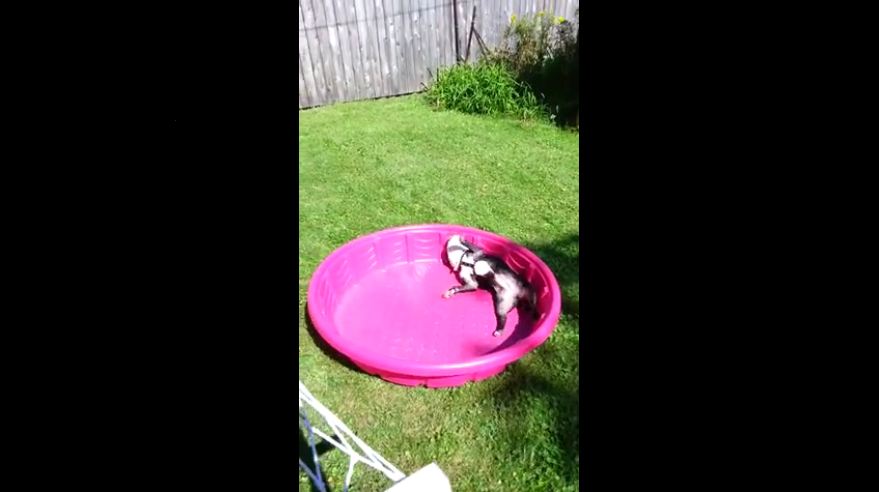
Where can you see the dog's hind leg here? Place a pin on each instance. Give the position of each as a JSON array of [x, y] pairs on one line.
[[531, 302], [502, 306]]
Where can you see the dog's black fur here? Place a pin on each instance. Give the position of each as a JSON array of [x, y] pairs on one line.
[[508, 289]]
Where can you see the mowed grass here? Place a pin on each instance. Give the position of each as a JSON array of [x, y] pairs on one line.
[[370, 165]]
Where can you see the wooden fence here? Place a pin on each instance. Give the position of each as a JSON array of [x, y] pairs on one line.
[[362, 49]]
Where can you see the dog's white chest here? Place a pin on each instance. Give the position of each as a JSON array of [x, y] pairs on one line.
[[478, 269], [467, 275], [481, 268]]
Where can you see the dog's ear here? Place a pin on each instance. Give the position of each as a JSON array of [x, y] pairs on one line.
[[455, 242], [470, 246], [454, 251]]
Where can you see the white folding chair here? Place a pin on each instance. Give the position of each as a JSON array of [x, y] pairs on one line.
[[428, 479]]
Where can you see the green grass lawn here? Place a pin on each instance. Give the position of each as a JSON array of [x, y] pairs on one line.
[[370, 165]]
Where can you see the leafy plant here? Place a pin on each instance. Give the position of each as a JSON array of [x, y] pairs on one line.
[[483, 88]]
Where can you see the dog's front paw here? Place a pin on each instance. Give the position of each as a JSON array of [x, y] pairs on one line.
[[449, 293], [497, 333]]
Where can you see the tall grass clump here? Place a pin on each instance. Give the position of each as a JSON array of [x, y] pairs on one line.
[[483, 88]]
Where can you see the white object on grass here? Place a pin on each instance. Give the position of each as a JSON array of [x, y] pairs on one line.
[[428, 479], [365, 454]]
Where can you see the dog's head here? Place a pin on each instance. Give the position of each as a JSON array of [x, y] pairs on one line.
[[455, 250]]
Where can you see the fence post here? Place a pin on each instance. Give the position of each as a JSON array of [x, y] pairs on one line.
[[455, 20], [470, 34]]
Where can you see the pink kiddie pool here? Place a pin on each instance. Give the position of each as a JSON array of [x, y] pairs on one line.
[[378, 300]]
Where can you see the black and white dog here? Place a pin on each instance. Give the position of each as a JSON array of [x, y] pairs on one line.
[[477, 269]]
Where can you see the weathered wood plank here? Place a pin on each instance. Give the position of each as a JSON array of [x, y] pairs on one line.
[[339, 19], [329, 53], [449, 38], [391, 45], [313, 78], [408, 16], [366, 51], [303, 101], [345, 11], [321, 83], [381, 39], [432, 46], [373, 46], [402, 52], [465, 8]]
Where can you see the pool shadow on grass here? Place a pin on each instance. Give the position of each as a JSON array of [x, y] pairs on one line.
[[516, 396], [563, 258]]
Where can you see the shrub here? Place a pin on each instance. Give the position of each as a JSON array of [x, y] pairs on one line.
[[543, 53], [526, 43], [483, 88]]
